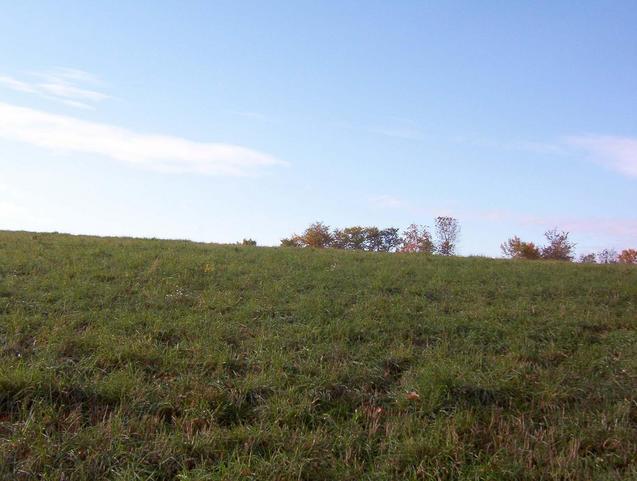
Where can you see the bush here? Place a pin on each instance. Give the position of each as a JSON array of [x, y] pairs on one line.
[[588, 259], [294, 241], [518, 249], [628, 256]]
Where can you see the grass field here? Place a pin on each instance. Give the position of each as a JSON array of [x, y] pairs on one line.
[[150, 360]]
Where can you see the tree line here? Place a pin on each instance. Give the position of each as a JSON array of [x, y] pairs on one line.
[[444, 241], [559, 247], [416, 238]]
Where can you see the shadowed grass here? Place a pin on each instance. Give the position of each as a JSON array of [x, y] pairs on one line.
[[143, 359]]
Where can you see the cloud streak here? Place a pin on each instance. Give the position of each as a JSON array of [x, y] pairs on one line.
[[62, 85], [162, 153], [616, 153]]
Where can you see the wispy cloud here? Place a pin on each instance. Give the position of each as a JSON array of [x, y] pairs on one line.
[[617, 153], [162, 153], [72, 87], [386, 201], [17, 85], [588, 232]]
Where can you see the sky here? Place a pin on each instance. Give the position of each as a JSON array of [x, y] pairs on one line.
[[218, 121]]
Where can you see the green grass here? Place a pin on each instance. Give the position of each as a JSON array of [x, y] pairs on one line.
[[148, 360]]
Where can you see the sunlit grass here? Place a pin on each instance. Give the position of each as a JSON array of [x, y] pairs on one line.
[[144, 359]]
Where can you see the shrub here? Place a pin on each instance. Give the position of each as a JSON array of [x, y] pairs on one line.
[[588, 259], [294, 241], [628, 256], [518, 249]]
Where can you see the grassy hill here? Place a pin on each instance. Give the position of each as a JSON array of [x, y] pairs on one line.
[[144, 359]]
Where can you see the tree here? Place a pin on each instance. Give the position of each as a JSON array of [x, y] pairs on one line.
[[372, 240], [607, 256], [447, 232], [518, 249], [559, 247], [389, 239], [248, 242], [339, 239], [317, 235], [350, 238], [628, 256], [588, 259], [417, 239]]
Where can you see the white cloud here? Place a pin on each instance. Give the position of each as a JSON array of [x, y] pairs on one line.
[[61, 84], [68, 91], [617, 153], [162, 153]]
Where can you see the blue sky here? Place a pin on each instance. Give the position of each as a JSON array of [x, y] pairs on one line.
[[215, 121]]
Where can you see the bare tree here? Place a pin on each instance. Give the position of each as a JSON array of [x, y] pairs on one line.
[[559, 247], [607, 256], [447, 233]]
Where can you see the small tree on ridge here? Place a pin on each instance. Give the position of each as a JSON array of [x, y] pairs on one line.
[[559, 247], [447, 232], [518, 249]]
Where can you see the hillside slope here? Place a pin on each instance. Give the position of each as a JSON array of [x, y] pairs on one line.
[[145, 359]]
